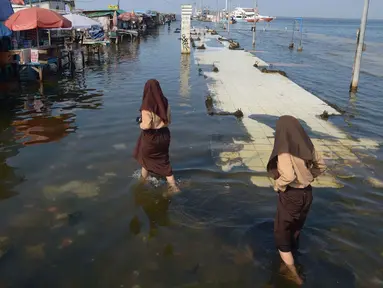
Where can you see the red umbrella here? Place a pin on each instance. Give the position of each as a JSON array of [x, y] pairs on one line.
[[18, 2], [33, 18]]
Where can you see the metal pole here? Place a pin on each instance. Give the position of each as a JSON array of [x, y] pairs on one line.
[[217, 18], [228, 17], [255, 21], [359, 49]]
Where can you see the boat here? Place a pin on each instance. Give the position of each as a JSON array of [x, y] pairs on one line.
[[242, 14], [260, 18], [247, 15]]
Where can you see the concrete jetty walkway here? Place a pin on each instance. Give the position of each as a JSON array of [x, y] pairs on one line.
[[263, 97]]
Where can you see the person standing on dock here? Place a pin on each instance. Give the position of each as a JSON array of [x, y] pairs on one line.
[[152, 149], [294, 164]]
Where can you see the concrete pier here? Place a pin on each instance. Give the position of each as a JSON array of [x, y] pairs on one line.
[[186, 12], [263, 97]]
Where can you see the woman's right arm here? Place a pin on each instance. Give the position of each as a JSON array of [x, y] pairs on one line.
[[146, 120], [286, 170]]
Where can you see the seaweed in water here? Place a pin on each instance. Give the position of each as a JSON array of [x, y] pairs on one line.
[[210, 109], [325, 115], [283, 73], [234, 45]]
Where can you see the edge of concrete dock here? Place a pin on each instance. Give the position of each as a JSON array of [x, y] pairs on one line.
[[263, 98]]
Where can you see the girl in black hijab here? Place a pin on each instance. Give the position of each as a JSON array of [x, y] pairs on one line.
[[294, 164], [152, 148]]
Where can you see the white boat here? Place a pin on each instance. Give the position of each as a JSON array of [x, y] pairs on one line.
[[241, 14], [249, 15], [260, 18]]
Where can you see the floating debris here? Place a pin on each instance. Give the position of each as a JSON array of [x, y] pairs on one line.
[[201, 47], [291, 46], [215, 69]]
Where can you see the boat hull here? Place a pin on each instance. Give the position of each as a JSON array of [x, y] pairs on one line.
[[262, 19]]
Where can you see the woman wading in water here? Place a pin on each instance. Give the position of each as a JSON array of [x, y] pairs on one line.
[[152, 149], [294, 164]]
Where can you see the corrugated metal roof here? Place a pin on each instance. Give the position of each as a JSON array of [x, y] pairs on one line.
[[101, 13]]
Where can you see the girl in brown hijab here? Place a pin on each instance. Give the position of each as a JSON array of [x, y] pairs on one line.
[[152, 149], [293, 164]]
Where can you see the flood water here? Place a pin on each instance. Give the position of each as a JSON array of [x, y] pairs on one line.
[[72, 215]]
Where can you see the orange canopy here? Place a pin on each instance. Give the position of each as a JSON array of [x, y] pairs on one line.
[[35, 17]]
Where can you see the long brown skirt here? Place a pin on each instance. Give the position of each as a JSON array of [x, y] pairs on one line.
[[152, 151], [292, 209]]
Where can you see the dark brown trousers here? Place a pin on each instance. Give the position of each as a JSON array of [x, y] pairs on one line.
[[292, 209]]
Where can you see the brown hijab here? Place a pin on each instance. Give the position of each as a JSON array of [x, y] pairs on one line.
[[154, 100], [290, 137]]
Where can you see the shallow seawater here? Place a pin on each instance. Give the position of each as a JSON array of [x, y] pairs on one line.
[[73, 215]]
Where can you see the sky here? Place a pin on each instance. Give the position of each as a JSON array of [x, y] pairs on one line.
[[297, 8]]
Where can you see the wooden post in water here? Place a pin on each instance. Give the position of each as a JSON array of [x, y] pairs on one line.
[[255, 22], [186, 12], [359, 48]]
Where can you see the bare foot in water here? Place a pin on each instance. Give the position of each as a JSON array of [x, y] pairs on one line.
[[290, 272], [173, 189]]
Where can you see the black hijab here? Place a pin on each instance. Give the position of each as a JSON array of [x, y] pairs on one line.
[[290, 137], [154, 100]]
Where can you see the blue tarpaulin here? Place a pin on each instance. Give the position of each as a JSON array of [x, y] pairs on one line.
[[6, 9], [4, 31]]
